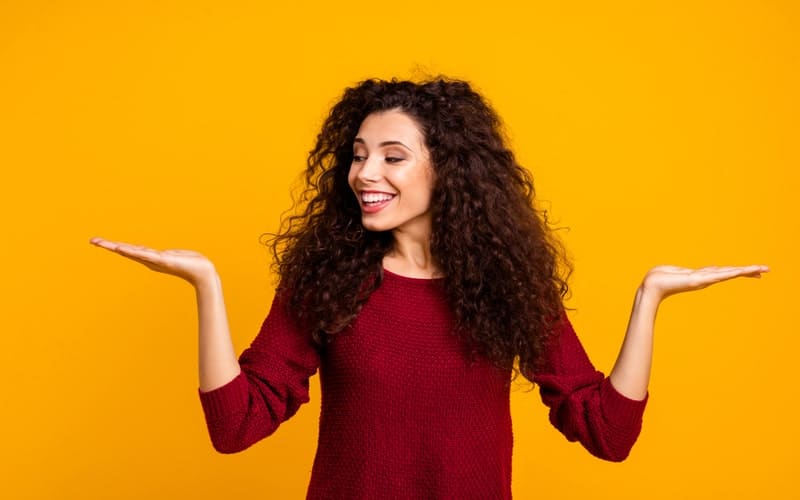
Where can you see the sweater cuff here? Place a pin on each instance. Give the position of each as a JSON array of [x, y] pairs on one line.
[[620, 409], [226, 399]]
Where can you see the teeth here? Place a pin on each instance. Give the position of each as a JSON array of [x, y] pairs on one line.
[[375, 197]]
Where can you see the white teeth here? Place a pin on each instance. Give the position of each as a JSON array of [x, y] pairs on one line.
[[375, 197]]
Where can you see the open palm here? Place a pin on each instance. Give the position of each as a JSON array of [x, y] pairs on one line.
[[669, 280], [187, 264]]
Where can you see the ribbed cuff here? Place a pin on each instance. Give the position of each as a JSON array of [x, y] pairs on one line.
[[225, 400], [619, 409]]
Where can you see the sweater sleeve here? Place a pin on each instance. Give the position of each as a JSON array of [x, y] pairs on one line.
[[269, 389], [584, 406]]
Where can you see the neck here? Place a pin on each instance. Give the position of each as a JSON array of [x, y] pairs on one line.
[[411, 254]]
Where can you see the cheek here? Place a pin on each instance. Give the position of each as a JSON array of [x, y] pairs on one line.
[[423, 191], [429, 181]]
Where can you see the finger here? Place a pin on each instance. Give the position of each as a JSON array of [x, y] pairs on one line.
[[138, 251], [741, 270], [724, 274], [705, 276], [100, 242], [710, 269], [727, 272], [757, 268], [112, 245], [713, 272]]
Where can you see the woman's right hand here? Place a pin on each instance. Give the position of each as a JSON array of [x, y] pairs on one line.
[[187, 264]]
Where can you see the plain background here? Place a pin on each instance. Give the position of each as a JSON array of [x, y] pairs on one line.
[[657, 133]]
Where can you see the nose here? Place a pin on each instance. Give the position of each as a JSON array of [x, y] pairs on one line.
[[370, 169]]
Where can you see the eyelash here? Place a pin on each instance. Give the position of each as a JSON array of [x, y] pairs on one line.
[[389, 159]]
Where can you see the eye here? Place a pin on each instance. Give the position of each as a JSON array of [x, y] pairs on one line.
[[358, 158], [393, 159]]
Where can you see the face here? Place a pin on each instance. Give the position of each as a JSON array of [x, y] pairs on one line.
[[391, 174]]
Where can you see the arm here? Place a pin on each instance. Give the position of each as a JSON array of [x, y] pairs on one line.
[[584, 406], [605, 414], [217, 362], [272, 385], [631, 372], [245, 400], [216, 359]]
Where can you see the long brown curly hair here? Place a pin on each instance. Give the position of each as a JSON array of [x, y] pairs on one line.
[[505, 273]]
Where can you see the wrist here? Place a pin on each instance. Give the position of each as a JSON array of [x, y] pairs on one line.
[[648, 295], [205, 280]]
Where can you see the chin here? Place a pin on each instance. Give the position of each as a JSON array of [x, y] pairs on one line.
[[371, 225]]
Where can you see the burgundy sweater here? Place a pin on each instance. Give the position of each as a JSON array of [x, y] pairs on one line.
[[404, 414]]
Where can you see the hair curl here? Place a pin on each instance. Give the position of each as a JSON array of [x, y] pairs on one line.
[[505, 273]]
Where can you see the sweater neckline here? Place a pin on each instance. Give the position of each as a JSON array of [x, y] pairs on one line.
[[410, 279]]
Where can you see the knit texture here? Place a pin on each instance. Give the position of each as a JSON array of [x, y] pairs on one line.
[[404, 414]]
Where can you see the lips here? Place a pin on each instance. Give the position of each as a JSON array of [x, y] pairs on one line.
[[375, 201]]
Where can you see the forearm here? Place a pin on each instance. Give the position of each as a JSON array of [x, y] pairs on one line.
[[631, 373], [218, 364]]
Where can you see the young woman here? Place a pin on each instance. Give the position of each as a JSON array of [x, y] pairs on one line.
[[419, 280]]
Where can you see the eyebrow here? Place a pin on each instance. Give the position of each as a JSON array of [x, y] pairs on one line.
[[384, 143]]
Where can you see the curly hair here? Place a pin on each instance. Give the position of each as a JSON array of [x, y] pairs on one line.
[[504, 272]]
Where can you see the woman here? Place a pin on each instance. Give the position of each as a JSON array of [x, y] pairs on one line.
[[419, 280]]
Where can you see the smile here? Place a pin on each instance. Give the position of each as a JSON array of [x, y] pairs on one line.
[[375, 197], [373, 202]]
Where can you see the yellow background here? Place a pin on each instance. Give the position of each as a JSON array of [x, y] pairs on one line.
[[657, 133]]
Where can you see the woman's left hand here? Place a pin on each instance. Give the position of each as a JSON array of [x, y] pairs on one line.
[[664, 281]]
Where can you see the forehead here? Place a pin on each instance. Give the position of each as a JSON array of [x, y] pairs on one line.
[[390, 125]]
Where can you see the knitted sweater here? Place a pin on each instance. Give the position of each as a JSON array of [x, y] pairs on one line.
[[404, 414]]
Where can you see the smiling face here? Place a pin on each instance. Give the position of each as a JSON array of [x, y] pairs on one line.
[[391, 174]]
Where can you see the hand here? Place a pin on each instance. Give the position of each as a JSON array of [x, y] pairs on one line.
[[664, 281], [186, 264]]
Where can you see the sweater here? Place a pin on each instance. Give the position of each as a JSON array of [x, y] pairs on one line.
[[404, 413]]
